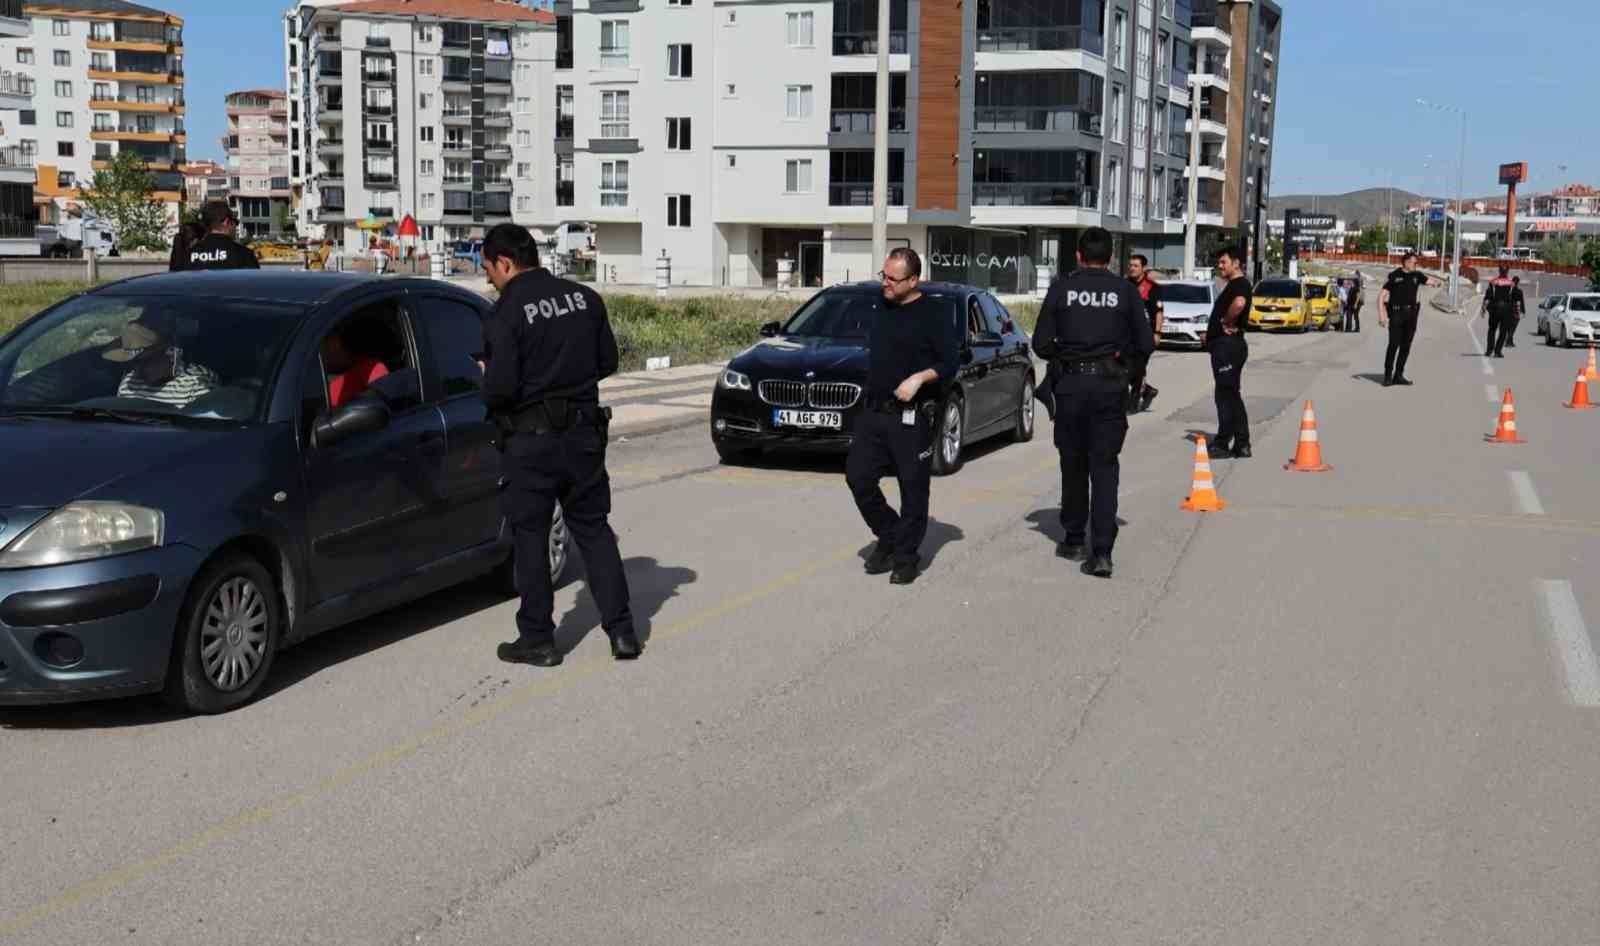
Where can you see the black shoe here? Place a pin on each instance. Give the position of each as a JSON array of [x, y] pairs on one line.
[[880, 561], [1388, 382], [538, 655], [626, 646], [1217, 451], [1404, 382], [1241, 453], [1073, 551], [904, 574], [1149, 396], [1098, 567]]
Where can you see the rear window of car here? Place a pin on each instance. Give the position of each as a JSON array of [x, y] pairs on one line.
[[1314, 291], [1182, 293], [1278, 289]]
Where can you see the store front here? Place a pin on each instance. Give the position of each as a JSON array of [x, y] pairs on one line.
[[1000, 261]]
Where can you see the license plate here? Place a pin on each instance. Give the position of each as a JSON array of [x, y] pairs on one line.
[[831, 420]]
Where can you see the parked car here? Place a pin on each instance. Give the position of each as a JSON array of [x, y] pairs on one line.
[[801, 385], [1322, 303], [1187, 308], [1570, 319], [1280, 303], [174, 535]]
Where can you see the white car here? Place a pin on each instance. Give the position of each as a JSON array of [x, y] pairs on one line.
[[1187, 307], [1571, 319]]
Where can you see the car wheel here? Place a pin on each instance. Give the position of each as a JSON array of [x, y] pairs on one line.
[[227, 637], [1023, 431], [950, 437], [1549, 337], [1566, 340], [734, 456], [560, 542]]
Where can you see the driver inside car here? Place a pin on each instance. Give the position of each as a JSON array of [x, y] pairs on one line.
[[350, 371], [156, 369]]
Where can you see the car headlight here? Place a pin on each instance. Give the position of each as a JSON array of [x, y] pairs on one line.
[[733, 381], [81, 532]]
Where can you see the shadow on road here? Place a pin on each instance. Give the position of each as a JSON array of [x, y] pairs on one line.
[[940, 534], [650, 586], [1374, 377], [1047, 522]]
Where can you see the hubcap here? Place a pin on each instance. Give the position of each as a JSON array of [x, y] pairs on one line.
[[1027, 408], [233, 636], [952, 433], [558, 543]]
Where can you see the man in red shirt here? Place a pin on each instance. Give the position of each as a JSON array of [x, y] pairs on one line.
[[1140, 394], [348, 374]]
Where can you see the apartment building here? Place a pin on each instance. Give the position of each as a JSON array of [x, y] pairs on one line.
[[257, 144], [203, 181], [17, 213], [107, 77], [423, 107]]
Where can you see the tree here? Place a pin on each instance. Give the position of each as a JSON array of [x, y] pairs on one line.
[[1591, 259], [1275, 254], [286, 225], [1489, 247], [1372, 240], [123, 193], [1563, 251]]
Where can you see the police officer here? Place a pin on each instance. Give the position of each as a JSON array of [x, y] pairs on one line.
[[1519, 310], [218, 249], [546, 348], [1092, 327], [913, 354], [1500, 304], [1229, 351], [1398, 309], [1141, 394]]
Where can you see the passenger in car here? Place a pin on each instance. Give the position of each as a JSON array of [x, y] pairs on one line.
[[157, 371], [350, 369]]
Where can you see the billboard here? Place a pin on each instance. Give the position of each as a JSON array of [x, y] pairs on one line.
[[1514, 173], [1296, 222]]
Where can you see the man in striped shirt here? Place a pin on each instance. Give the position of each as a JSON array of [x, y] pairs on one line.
[[157, 371]]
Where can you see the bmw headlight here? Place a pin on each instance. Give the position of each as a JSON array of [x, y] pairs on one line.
[[81, 532], [734, 381]]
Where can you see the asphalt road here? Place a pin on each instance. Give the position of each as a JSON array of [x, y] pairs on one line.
[[1353, 708]]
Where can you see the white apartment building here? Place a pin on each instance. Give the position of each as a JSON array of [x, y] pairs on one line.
[[441, 109], [16, 167], [107, 76]]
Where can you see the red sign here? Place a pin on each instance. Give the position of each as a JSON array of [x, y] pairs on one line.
[[1552, 226], [1514, 173]]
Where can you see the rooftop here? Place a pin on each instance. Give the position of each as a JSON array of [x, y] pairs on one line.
[[493, 10], [95, 6]]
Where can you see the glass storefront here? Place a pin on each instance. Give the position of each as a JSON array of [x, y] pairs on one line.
[[997, 260]]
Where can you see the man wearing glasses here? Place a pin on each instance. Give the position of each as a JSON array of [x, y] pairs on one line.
[[913, 352]]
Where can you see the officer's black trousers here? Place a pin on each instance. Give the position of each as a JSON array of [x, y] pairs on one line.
[[568, 467], [1228, 355], [1500, 328], [1091, 424], [885, 446], [1352, 318], [1402, 329]]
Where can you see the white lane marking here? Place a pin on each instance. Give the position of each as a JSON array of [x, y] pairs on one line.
[[1483, 360], [1527, 499], [1491, 394], [1572, 639]]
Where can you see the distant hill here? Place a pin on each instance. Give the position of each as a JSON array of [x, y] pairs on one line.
[[1355, 208]]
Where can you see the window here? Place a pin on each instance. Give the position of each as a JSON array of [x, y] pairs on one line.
[[424, 34], [427, 232], [1141, 123], [27, 116], [524, 105], [1136, 209], [63, 89], [427, 201], [1158, 187], [731, 90], [67, 179], [678, 211], [680, 61], [455, 331], [425, 66], [524, 169], [100, 31], [426, 167], [802, 29], [733, 160], [144, 94], [29, 146], [733, 17], [614, 115], [425, 100], [524, 204], [425, 134], [679, 3], [524, 73], [63, 119], [1159, 133], [61, 27], [1162, 58], [1057, 101], [678, 134], [1143, 51], [63, 57], [565, 190], [613, 183], [101, 92], [1117, 104], [103, 121], [64, 149], [145, 123], [797, 176], [850, 178], [613, 44], [100, 62], [1114, 187], [797, 102], [24, 57], [524, 138]]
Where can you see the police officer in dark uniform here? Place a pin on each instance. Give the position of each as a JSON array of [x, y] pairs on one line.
[[1091, 328], [1398, 309], [1229, 352], [546, 348], [218, 249], [913, 353]]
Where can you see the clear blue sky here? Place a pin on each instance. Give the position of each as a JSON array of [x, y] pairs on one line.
[[1346, 119]]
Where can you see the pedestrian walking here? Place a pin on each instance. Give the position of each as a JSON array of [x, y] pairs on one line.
[[1092, 329], [913, 355], [1519, 310], [1398, 309], [1500, 305], [1140, 394], [218, 249], [546, 347], [1229, 351]]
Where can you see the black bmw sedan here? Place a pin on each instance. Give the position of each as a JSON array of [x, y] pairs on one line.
[[800, 386]]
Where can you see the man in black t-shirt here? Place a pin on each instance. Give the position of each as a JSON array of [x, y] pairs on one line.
[[1226, 345], [218, 249], [1398, 308], [1141, 394], [913, 354]]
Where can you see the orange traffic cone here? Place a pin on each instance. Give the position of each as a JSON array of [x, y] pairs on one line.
[[1308, 456], [1203, 496], [1506, 432], [1580, 394], [1592, 373]]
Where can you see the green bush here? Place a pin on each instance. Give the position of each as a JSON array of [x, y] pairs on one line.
[[19, 302]]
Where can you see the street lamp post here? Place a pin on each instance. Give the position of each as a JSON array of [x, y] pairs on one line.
[[1191, 230], [880, 144], [1461, 172]]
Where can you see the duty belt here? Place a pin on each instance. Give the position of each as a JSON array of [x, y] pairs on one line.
[[1090, 366], [555, 416]]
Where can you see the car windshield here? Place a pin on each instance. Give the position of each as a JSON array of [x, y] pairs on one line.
[[1314, 291], [197, 358], [1278, 289], [1178, 292], [1583, 304], [849, 314]]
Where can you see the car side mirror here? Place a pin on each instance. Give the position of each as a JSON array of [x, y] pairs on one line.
[[987, 340], [771, 329], [364, 415]]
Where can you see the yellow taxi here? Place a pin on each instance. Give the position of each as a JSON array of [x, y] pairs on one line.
[[1279, 303], [1323, 302]]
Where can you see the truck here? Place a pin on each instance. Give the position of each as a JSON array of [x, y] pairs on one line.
[[69, 238]]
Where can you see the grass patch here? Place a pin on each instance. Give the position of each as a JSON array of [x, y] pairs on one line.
[[19, 302]]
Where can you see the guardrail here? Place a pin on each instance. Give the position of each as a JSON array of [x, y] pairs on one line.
[[1435, 262]]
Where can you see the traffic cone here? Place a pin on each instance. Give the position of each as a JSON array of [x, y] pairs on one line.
[[1580, 394], [1203, 495], [1506, 432], [1591, 373], [1308, 456]]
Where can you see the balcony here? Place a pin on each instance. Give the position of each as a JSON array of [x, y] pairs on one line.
[[1209, 127], [458, 116], [1023, 39], [383, 145], [377, 42], [377, 110], [456, 82], [135, 133], [497, 119], [134, 73], [1211, 34], [456, 146], [330, 146], [131, 104], [458, 180], [1019, 119], [844, 194], [497, 183], [377, 76], [16, 165], [852, 121], [566, 194], [379, 178], [1035, 194], [16, 85], [498, 149], [564, 128], [457, 211], [381, 213], [866, 44]]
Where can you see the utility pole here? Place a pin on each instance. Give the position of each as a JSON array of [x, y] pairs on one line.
[[880, 144], [1190, 232]]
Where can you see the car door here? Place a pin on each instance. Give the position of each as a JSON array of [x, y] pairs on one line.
[[977, 371], [1012, 362], [368, 497], [452, 331]]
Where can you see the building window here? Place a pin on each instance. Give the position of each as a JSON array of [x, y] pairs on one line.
[[100, 62], [524, 105], [855, 26], [63, 57], [1143, 52], [733, 160], [64, 149], [426, 167], [1064, 177], [425, 66], [1141, 123], [424, 34], [678, 211], [524, 73], [1136, 208], [678, 134], [1119, 40], [27, 116], [680, 61], [1163, 44], [614, 115], [63, 89], [1158, 187], [100, 31], [1117, 104], [425, 134], [797, 102], [525, 138], [425, 101], [29, 146], [797, 176], [144, 94], [524, 204], [524, 169], [1114, 187], [613, 183], [1054, 101], [101, 92], [680, 3], [613, 44], [61, 27], [104, 122], [1158, 142], [801, 29], [63, 119], [731, 90], [733, 17], [850, 178], [24, 57], [428, 201]]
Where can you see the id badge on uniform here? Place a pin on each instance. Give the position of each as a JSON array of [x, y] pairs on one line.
[[908, 417]]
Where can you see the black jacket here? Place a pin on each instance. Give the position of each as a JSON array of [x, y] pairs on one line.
[[547, 338]]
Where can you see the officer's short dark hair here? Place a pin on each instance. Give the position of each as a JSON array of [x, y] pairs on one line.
[[1141, 259], [1231, 252], [509, 241], [907, 256], [1505, 270], [1516, 280], [1407, 255], [1095, 246], [216, 214]]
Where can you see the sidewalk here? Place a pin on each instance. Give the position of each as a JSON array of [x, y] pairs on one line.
[[652, 402]]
